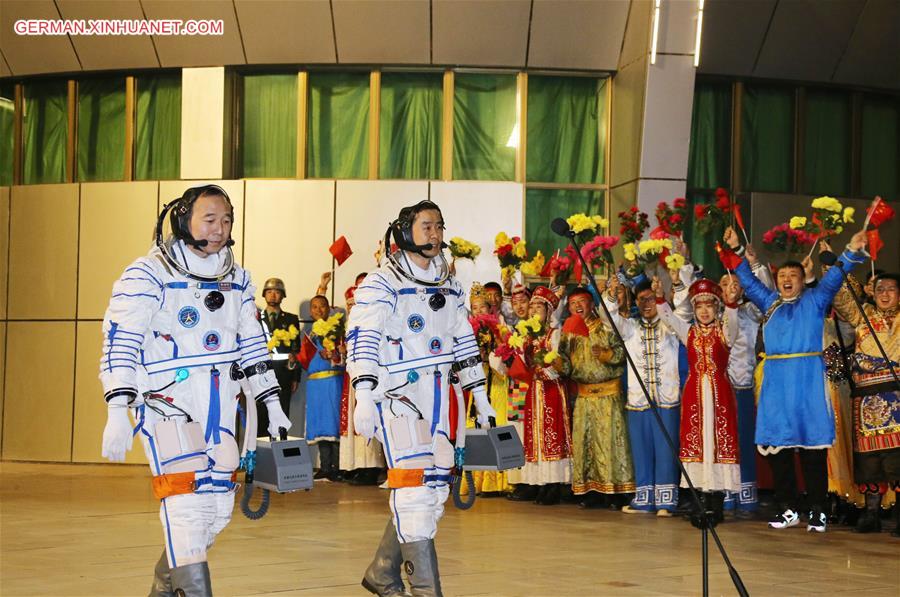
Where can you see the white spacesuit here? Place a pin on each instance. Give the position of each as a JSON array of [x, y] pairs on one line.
[[408, 329], [180, 331]]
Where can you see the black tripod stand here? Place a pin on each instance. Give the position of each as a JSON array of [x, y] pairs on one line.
[[560, 227]]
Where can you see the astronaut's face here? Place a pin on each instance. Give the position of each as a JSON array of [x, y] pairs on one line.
[[428, 228], [211, 220]]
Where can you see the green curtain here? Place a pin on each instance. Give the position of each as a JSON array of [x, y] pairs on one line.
[[767, 139], [564, 142], [101, 129], [880, 139], [7, 130], [410, 125], [157, 143], [484, 121], [542, 206], [45, 131], [709, 157], [338, 125], [268, 142], [826, 143]]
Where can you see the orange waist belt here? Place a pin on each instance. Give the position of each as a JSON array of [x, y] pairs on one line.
[[405, 477], [177, 484]]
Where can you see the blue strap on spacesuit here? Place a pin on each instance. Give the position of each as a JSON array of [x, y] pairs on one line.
[[436, 413], [207, 285], [212, 419]]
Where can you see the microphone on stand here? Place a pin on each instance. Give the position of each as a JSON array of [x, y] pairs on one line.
[[561, 227]]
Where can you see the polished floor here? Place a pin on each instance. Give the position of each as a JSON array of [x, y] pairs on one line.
[[94, 530]]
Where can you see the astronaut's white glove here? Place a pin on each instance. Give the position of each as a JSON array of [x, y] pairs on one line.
[[117, 436], [277, 418], [365, 415], [484, 408]]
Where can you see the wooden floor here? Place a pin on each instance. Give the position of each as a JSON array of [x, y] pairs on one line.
[[94, 530]]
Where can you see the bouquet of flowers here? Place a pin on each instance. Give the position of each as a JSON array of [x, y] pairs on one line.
[[535, 267], [460, 248], [598, 251], [632, 224], [584, 226], [712, 216], [671, 219], [828, 218], [486, 329], [560, 266], [654, 249], [786, 239], [530, 333], [511, 252], [330, 330], [283, 337]]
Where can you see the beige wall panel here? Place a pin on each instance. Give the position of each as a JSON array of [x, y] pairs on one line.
[[667, 117], [43, 251], [364, 210], [4, 247], [620, 199], [480, 32], [202, 122], [2, 371], [117, 221], [638, 32], [288, 230], [102, 52], [651, 192], [34, 54], [37, 421], [477, 211], [361, 28], [172, 189], [567, 34], [197, 50], [627, 107], [90, 408], [275, 31]]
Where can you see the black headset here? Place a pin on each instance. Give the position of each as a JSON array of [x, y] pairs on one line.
[[180, 214], [401, 228]]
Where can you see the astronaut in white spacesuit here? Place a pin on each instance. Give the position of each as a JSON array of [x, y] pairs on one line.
[[409, 328], [181, 333]]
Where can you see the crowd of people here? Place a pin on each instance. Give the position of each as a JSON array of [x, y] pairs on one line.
[[758, 369], [622, 393]]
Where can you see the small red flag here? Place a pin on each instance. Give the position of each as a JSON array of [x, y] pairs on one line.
[[306, 354], [728, 258], [739, 218], [875, 242], [341, 250], [576, 326]]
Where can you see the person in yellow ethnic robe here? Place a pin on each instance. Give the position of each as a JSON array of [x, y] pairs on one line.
[[876, 400], [601, 453]]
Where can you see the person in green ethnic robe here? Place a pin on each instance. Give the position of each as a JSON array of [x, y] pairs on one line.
[[593, 359]]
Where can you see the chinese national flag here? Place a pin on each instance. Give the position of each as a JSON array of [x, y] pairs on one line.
[[341, 250], [306, 354], [875, 242]]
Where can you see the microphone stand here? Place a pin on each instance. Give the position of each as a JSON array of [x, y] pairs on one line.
[[705, 527], [829, 258]]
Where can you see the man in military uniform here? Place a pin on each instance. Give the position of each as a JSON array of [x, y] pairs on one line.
[[286, 369]]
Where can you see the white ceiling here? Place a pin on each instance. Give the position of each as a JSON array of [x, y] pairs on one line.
[[853, 42]]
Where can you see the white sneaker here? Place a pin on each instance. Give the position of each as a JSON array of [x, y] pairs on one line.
[[786, 519], [630, 510], [816, 522]]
